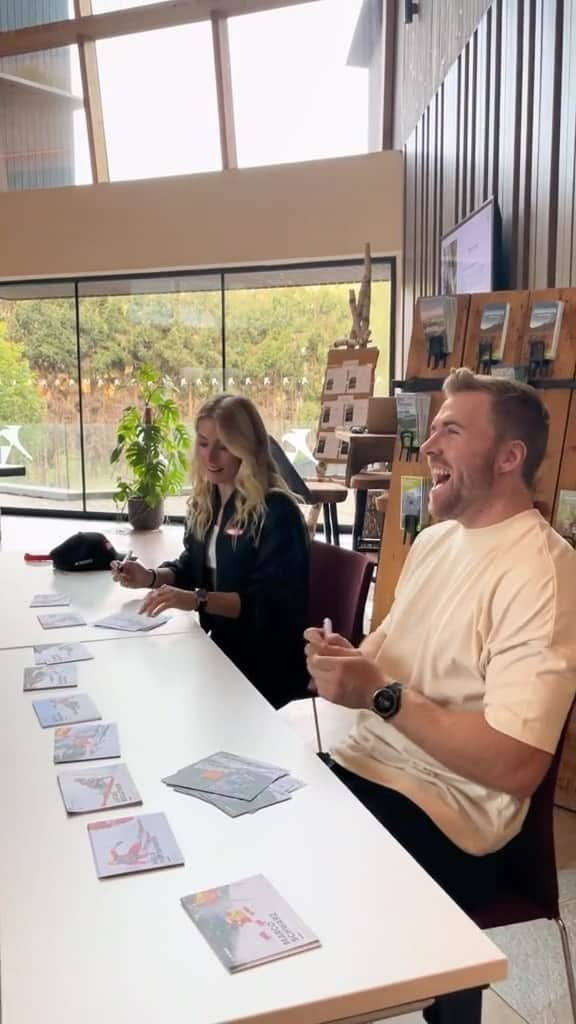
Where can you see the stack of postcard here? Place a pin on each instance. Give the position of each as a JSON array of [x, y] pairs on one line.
[[132, 622], [412, 411], [247, 923], [124, 845], [439, 314], [545, 326], [233, 784]]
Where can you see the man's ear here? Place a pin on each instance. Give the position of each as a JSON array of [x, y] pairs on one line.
[[511, 457]]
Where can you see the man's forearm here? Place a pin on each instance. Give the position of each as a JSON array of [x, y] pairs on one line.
[[466, 744]]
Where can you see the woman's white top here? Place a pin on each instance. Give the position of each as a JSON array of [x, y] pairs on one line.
[[211, 549]]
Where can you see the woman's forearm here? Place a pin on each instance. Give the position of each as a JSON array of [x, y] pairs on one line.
[[228, 606], [164, 578]]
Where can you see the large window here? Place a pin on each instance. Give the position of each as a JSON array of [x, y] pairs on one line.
[[159, 102], [68, 353], [15, 14], [292, 83], [43, 136], [174, 325], [295, 96], [39, 410]]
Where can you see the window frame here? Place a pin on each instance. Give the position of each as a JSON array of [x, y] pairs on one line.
[[222, 272]]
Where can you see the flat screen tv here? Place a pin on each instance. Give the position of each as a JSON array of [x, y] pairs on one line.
[[470, 253]]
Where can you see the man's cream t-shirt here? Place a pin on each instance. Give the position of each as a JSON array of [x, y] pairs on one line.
[[482, 619]]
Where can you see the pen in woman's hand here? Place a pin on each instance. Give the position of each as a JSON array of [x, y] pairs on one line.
[[127, 557]]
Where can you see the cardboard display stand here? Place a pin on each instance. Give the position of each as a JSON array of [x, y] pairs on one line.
[[348, 385]]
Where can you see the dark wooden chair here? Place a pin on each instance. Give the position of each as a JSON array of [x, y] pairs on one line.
[[528, 885], [339, 585]]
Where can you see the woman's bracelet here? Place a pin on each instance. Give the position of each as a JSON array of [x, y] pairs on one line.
[[154, 578]]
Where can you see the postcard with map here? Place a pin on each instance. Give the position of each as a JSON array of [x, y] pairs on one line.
[[57, 654], [89, 742], [98, 788], [124, 845], [75, 707], [50, 677], [247, 923]]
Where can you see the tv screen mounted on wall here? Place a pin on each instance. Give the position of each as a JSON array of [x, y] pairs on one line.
[[470, 253]]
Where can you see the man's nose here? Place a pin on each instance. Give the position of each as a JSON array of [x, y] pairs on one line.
[[431, 445]]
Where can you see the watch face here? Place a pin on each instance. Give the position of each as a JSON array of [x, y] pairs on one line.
[[387, 701]]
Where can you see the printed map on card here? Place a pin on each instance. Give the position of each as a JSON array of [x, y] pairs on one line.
[[59, 620], [77, 707], [50, 601], [86, 742], [56, 654], [124, 845], [228, 775], [51, 677], [132, 621], [97, 789], [247, 923]]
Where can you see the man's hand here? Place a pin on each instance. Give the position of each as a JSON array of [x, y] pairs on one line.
[[339, 672], [168, 597]]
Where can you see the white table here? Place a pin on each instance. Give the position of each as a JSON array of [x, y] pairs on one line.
[[93, 595], [73, 948]]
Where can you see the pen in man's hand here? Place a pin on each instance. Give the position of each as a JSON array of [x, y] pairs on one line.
[[327, 629]]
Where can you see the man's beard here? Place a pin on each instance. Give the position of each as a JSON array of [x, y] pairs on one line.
[[473, 492]]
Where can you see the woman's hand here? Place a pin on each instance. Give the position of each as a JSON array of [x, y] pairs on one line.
[[131, 574], [168, 597]]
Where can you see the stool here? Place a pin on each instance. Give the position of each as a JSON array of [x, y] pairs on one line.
[[362, 483], [328, 495]]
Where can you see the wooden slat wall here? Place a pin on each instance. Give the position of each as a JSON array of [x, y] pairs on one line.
[[503, 123], [425, 51]]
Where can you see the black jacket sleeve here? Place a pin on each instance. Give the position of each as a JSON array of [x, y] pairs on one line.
[[276, 594], [187, 568]]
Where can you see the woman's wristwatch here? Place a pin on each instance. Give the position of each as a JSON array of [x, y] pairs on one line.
[[201, 596]]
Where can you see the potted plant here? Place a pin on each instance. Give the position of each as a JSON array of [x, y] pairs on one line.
[[155, 444]]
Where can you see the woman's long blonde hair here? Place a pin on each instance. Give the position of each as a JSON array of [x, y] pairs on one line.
[[242, 431]]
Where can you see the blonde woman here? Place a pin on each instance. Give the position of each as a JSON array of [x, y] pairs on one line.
[[244, 567]]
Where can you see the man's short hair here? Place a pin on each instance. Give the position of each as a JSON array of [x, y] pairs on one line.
[[518, 413]]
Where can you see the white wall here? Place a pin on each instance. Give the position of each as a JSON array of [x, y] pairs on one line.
[[319, 210]]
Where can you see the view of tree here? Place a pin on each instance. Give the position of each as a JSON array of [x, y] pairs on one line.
[[276, 344], [19, 398]]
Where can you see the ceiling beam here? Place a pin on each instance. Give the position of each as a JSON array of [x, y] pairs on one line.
[[92, 27], [92, 100], [223, 70], [389, 72]]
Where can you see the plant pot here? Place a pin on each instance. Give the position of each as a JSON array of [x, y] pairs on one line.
[[142, 517]]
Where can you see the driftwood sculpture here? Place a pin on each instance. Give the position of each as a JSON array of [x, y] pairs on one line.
[[360, 308]]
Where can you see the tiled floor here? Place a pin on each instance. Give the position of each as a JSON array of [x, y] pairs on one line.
[[535, 992]]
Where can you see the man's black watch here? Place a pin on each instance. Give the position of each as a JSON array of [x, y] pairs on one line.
[[386, 701], [201, 599]]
